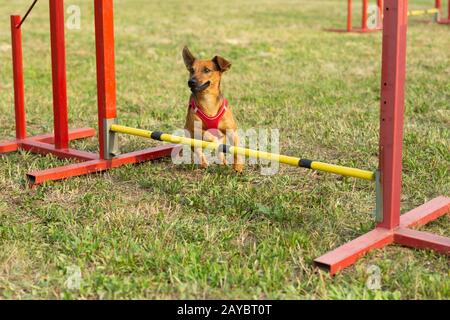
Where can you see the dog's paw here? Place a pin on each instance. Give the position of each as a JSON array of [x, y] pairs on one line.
[[238, 167], [223, 160], [204, 165]]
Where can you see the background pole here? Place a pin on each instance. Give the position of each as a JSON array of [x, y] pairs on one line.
[[19, 100], [349, 15], [438, 4], [365, 8], [380, 13], [61, 129]]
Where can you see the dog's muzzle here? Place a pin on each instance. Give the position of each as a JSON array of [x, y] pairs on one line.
[[195, 88]]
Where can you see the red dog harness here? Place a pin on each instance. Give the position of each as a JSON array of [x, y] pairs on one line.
[[209, 122]]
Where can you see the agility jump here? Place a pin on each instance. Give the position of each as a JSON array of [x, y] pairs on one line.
[[436, 12], [391, 227], [225, 148]]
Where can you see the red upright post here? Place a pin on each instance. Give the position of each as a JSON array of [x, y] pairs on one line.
[[19, 100], [106, 72], [393, 228], [380, 13], [365, 8], [439, 6], [391, 116], [349, 16], [61, 129]]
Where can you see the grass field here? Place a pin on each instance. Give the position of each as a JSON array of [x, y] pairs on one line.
[[163, 231]]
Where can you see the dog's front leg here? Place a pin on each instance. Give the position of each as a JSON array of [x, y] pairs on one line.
[[201, 156], [238, 164], [222, 157], [209, 137]]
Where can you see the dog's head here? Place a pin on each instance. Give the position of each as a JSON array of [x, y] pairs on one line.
[[204, 75]]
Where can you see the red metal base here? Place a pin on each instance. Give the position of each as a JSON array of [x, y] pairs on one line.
[[43, 144], [92, 163], [444, 21], [347, 254], [98, 165], [355, 30]]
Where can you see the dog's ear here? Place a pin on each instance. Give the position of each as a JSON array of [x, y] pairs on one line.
[[222, 63], [188, 58]]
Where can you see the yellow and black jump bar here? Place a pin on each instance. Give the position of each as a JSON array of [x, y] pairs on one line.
[[423, 12], [292, 161]]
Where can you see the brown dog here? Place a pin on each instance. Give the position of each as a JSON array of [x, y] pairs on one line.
[[207, 105]]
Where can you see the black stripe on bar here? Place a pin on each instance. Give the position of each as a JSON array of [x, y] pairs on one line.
[[305, 163], [224, 148], [156, 135]]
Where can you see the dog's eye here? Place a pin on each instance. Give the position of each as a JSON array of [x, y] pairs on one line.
[[206, 70]]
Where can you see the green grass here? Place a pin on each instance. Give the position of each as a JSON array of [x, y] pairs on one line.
[[158, 230]]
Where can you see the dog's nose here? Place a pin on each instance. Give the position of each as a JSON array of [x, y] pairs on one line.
[[192, 83]]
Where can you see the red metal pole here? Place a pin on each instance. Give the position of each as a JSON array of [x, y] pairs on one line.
[[380, 4], [61, 129], [380, 13], [19, 100], [442, 18], [448, 10], [106, 78], [438, 5], [392, 108], [365, 8], [349, 15]]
